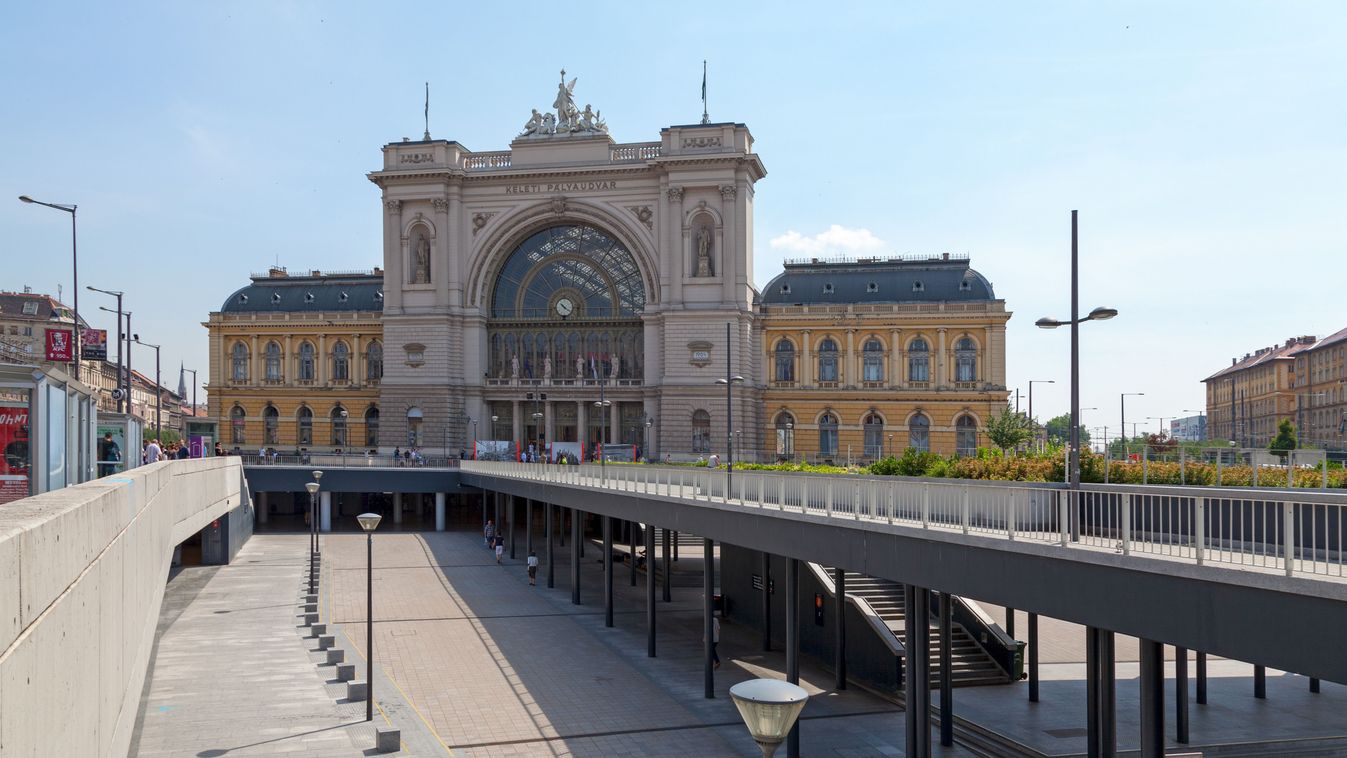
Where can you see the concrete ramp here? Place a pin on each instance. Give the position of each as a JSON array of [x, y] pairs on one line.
[[82, 575]]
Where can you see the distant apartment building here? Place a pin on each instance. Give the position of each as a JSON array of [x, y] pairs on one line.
[[1246, 400], [1320, 377]]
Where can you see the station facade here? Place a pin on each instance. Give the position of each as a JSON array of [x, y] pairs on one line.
[[576, 289]]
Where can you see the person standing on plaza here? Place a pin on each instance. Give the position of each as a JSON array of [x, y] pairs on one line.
[[153, 452], [533, 568], [109, 455], [500, 549], [489, 533], [715, 641]]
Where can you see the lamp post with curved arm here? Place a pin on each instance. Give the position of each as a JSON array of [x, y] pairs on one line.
[[75, 270]]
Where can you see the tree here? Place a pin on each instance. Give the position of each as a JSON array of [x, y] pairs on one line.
[[1286, 437], [1058, 429], [1008, 429]]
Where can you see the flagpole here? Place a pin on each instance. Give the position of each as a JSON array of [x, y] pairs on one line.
[[706, 118], [427, 135]]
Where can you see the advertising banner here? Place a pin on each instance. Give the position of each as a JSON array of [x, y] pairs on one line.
[[14, 467], [574, 451], [60, 345], [94, 345], [495, 450]]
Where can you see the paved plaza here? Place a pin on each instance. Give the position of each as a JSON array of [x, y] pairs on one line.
[[472, 661]]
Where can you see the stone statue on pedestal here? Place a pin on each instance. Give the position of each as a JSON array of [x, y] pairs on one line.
[[704, 251], [422, 261]]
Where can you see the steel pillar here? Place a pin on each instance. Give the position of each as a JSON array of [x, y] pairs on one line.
[[1260, 682], [840, 625], [650, 590], [708, 616], [666, 565], [793, 645], [631, 538], [528, 526], [1181, 694], [1201, 679], [1033, 657], [1152, 699], [607, 571], [917, 683], [766, 601], [575, 557], [510, 500], [551, 545], [946, 672]]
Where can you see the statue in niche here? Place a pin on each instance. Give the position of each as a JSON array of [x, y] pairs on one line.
[[547, 369], [422, 275], [704, 251], [579, 367], [514, 367]]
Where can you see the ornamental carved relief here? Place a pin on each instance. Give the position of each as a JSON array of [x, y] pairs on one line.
[[440, 204], [393, 206], [701, 142], [559, 204], [675, 194], [727, 191], [644, 215], [480, 220]]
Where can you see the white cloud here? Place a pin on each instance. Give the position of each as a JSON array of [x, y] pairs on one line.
[[837, 239]]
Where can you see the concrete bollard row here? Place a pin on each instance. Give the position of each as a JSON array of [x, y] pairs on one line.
[[318, 630], [326, 641], [345, 672], [335, 655], [387, 739]]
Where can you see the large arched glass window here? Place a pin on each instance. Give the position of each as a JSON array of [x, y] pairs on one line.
[[873, 360], [965, 361], [374, 362], [701, 432], [919, 433], [827, 434], [239, 362], [966, 436], [918, 361], [338, 418], [827, 360], [874, 436], [341, 362], [306, 361], [785, 435], [785, 361], [372, 427], [591, 268], [304, 426], [273, 362], [238, 425], [271, 425]]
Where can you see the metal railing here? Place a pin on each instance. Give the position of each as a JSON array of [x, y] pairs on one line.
[[348, 460], [1298, 532]]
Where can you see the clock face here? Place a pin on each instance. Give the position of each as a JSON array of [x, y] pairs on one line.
[[565, 307]]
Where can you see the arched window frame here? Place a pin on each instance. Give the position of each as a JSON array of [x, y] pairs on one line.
[[919, 432], [783, 361], [415, 420], [965, 360], [341, 362], [827, 361], [239, 362], [784, 425], [966, 435], [372, 426], [874, 435], [238, 425], [827, 434], [271, 425], [339, 417], [274, 362], [374, 361], [304, 426], [872, 360], [919, 360], [305, 362], [701, 431]]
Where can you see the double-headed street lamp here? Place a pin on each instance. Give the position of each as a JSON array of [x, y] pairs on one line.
[[1098, 314], [119, 313], [369, 522], [75, 266], [158, 391]]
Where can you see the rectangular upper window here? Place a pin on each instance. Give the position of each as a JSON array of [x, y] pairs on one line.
[[30, 308]]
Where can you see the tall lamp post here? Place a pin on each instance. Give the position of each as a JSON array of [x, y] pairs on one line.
[[125, 380], [312, 487], [602, 405], [192, 371], [1033, 422], [1122, 410], [119, 313], [649, 430], [158, 392], [313, 517], [729, 381], [75, 266], [369, 522], [1098, 314]]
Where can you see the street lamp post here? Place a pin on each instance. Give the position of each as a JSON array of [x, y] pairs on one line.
[[649, 431], [119, 313], [729, 382], [1098, 314], [313, 517], [1122, 409], [75, 266], [192, 371], [369, 522], [603, 405], [130, 406], [1033, 422], [158, 392], [769, 708]]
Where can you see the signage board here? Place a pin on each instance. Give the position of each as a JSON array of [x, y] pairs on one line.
[[94, 345], [14, 442], [60, 345]]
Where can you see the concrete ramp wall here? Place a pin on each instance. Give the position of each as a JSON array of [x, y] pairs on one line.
[[82, 577]]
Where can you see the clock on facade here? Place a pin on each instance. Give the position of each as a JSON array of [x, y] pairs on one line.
[[565, 307]]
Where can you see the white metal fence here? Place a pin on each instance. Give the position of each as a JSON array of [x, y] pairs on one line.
[[1299, 532]]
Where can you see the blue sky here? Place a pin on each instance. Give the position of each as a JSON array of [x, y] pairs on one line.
[[1203, 144]]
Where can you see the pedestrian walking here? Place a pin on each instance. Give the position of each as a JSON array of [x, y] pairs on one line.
[[500, 549], [533, 568], [153, 452], [109, 455], [715, 641], [489, 533]]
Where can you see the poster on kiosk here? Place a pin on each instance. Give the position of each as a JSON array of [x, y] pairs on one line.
[[14, 468]]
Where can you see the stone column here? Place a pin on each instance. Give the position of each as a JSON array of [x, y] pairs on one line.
[[673, 225], [439, 250], [262, 507], [941, 379], [394, 278], [805, 365], [731, 273], [582, 426], [516, 422], [439, 511], [615, 422], [320, 362], [325, 511], [288, 362], [852, 378], [397, 507], [353, 368], [896, 358], [549, 422], [257, 365]]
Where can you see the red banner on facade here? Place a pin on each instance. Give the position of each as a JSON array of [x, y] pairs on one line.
[[60, 345]]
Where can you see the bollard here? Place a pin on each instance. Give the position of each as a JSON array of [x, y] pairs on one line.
[[317, 630], [310, 598], [326, 641], [310, 619], [335, 655], [387, 739], [357, 690], [310, 607], [345, 672]]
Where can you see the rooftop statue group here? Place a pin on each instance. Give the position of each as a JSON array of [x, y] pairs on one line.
[[568, 119]]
